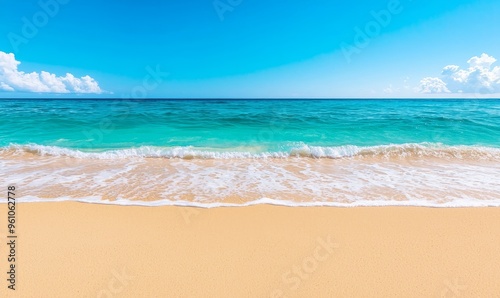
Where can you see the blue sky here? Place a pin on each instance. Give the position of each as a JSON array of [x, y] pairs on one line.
[[248, 48]]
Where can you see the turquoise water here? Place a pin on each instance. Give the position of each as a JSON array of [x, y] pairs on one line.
[[246, 125], [208, 153]]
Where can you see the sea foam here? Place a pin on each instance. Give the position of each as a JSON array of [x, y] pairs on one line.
[[301, 150], [462, 203]]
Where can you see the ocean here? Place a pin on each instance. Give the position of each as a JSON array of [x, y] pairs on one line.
[[218, 152]]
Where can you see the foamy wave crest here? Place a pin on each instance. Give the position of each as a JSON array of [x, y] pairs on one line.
[[422, 150], [141, 152], [400, 151]]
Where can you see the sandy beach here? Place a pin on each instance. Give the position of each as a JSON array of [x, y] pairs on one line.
[[75, 249]]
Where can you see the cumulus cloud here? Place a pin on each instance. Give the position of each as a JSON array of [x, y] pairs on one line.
[[479, 77], [12, 79], [433, 85]]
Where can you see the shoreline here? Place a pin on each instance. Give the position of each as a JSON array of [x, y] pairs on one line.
[[336, 182], [263, 202], [81, 250]]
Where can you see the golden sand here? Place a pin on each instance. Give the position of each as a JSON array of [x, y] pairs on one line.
[[83, 250]]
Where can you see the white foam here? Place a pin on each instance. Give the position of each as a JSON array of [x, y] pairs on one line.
[[463, 203], [339, 182], [300, 150]]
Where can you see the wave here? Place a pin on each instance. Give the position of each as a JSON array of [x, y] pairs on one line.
[[458, 203], [410, 150]]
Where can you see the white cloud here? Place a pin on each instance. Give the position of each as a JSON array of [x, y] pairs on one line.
[[432, 85], [11, 79], [391, 89], [479, 77]]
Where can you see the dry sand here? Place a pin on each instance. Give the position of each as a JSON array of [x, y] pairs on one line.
[[82, 250]]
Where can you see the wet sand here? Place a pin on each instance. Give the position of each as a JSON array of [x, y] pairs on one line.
[[348, 182]]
